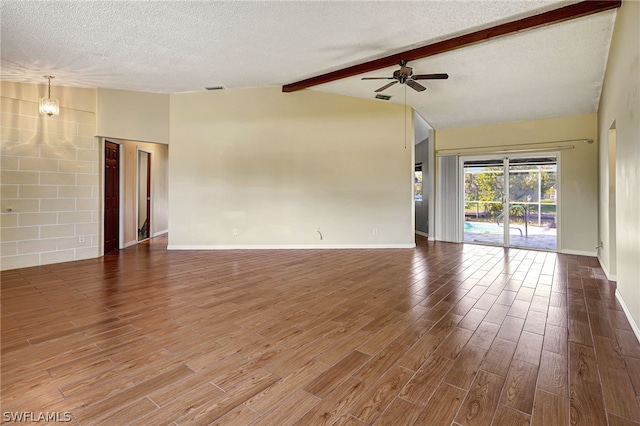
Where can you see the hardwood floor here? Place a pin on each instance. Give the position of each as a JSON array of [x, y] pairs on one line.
[[443, 334]]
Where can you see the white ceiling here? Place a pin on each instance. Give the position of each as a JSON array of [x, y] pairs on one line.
[[178, 46]]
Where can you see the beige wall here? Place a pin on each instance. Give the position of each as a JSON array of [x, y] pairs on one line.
[[159, 188], [131, 115], [620, 104], [50, 177], [279, 166], [578, 168]]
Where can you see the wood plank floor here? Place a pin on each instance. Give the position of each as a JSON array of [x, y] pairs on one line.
[[443, 334]]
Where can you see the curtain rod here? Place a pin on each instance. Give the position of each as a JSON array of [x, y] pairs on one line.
[[510, 148]]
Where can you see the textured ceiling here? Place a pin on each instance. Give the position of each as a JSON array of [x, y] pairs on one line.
[[177, 46]]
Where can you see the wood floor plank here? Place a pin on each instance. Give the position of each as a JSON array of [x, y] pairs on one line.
[[240, 415], [289, 411], [426, 380], [499, 357], [421, 350], [633, 368], [520, 385], [278, 392], [465, 367], [454, 342], [334, 405], [556, 339], [480, 404], [442, 407], [619, 396], [585, 391], [381, 362], [529, 348], [550, 409], [399, 413], [511, 329], [375, 400], [552, 375], [620, 421], [509, 416], [332, 377], [484, 335], [101, 408], [182, 405]]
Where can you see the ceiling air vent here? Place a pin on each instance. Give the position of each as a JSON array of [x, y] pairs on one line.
[[383, 97], [215, 88]]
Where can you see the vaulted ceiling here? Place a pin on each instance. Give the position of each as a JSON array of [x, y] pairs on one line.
[[178, 46]]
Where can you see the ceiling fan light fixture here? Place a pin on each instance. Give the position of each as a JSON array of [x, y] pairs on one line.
[[49, 106]]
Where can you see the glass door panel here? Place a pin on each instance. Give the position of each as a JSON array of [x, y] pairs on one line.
[[483, 202], [532, 203]]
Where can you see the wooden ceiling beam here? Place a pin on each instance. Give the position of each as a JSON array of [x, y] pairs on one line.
[[573, 11]]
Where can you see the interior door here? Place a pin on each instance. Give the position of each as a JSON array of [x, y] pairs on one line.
[[111, 197]]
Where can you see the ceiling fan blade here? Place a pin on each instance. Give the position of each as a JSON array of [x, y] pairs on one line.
[[430, 77], [415, 86], [386, 86], [377, 78]]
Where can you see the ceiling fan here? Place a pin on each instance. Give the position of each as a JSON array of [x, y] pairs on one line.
[[405, 75]]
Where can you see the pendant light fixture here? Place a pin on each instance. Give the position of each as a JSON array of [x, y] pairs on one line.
[[49, 106]]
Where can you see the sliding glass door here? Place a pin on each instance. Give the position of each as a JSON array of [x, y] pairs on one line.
[[511, 202], [484, 201]]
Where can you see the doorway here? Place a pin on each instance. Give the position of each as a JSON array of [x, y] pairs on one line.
[[111, 197], [511, 202], [144, 195]]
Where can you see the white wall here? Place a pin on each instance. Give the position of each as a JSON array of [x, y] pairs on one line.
[[139, 116], [578, 207], [279, 166], [620, 104]]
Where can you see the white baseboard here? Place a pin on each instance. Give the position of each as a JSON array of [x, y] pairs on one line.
[[130, 243], [606, 270], [157, 234], [422, 234], [579, 252], [289, 247], [634, 325]]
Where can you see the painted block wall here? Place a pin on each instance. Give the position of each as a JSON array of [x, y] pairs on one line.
[[50, 176]]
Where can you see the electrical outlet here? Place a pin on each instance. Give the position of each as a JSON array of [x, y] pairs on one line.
[[81, 238], [375, 231], [235, 231]]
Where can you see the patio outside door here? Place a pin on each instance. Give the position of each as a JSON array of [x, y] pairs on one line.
[[511, 202]]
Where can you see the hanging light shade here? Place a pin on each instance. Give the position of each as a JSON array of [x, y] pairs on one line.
[[49, 106]]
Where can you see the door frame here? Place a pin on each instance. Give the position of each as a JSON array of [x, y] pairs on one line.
[[149, 186], [505, 165], [121, 166]]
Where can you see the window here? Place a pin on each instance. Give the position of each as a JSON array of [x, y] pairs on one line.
[[417, 183]]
